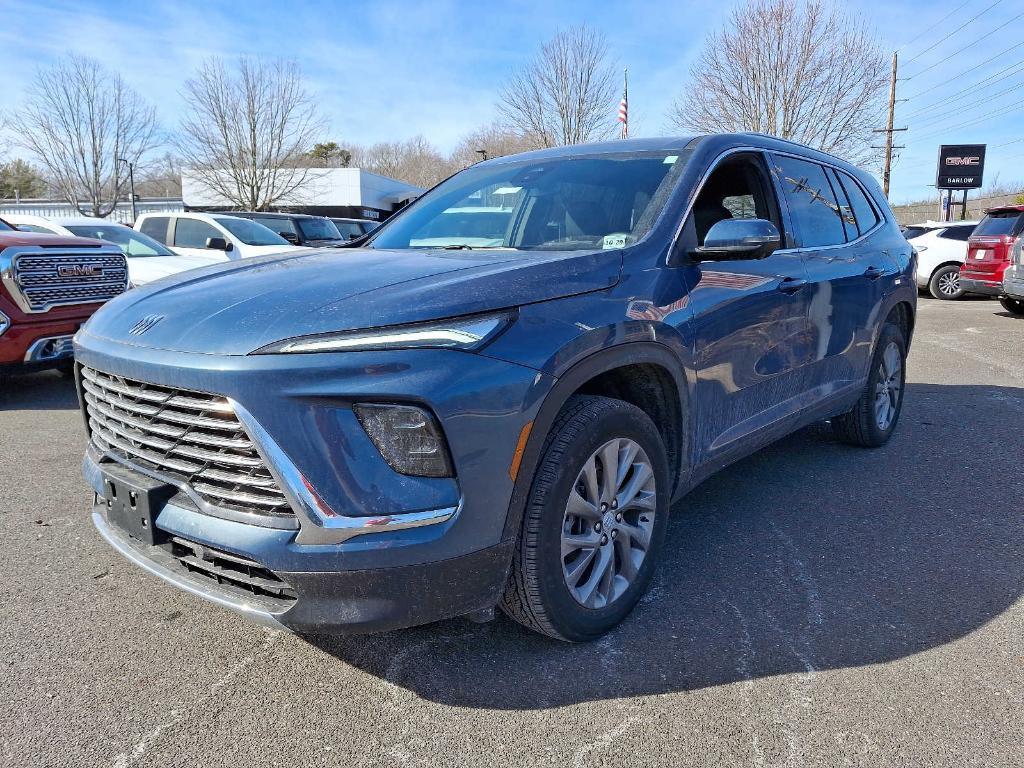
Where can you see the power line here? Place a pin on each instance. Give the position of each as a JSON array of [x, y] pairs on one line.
[[965, 47], [919, 35], [965, 72], [981, 118], [944, 39], [930, 120], [969, 94]]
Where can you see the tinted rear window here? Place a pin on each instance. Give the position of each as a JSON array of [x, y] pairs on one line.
[[957, 233], [155, 227], [1002, 223], [911, 232], [812, 205]]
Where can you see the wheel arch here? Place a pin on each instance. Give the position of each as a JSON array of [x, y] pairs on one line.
[[646, 374]]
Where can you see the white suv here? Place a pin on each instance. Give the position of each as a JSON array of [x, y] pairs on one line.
[[941, 248], [212, 234]]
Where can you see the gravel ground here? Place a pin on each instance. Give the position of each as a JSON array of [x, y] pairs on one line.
[[819, 605]]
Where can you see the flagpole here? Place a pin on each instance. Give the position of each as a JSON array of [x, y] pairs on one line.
[[625, 96]]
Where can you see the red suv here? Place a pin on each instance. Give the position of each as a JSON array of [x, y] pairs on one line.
[[989, 249], [49, 286]]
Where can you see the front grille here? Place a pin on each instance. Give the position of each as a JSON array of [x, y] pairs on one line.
[[54, 279], [190, 436], [234, 572]]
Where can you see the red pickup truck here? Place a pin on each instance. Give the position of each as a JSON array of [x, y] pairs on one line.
[[49, 286]]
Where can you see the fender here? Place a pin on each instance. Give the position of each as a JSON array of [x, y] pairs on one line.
[[630, 353]]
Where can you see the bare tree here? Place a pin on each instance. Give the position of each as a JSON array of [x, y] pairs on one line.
[[797, 69], [160, 178], [566, 94], [415, 161], [84, 124], [494, 140], [246, 130]]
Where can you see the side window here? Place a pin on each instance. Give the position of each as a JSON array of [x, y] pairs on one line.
[[845, 209], [812, 205], [155, 227], [957, 233], [738, 188], [36, 228], [193, 233], [867, 218]]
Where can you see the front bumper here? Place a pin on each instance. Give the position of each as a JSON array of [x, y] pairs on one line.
[[1013, 281], [400, 550], [373, 600], [982, 287]]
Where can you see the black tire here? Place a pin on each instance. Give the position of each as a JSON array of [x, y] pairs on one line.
[[1013, 306], [537, 595], [860, 425], [939, 285]]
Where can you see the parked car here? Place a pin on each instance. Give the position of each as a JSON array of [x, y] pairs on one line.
[[393, 434], [214, 235], [353, 229], [49, 286], [297, 228], [1013, 280], [148, 260], [988, 250], [941, 249]]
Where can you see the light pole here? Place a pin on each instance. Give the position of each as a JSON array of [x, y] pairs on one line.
[[131, 185]]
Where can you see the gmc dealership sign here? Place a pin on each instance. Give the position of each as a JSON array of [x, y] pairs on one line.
[[960, 166]]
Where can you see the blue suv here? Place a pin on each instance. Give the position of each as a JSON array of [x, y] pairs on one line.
[[395, 433]]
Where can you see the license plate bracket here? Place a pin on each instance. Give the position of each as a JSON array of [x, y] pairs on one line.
[[133, 503]]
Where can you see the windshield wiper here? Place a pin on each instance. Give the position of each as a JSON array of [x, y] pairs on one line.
[[457, 247]]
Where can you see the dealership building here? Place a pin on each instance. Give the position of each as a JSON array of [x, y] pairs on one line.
[[339, 192]]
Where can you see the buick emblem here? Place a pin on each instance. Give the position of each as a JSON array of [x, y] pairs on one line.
[[145, 324], [78, 270]]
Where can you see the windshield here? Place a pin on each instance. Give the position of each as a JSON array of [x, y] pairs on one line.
[[319, 229], [249, 232], [1001, 223], [132, 243], [561, 204]]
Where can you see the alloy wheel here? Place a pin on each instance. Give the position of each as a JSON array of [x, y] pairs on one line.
[[608, 523], [949, 283], [888, 386]]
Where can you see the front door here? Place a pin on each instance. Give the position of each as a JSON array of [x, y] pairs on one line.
[[749, 316]]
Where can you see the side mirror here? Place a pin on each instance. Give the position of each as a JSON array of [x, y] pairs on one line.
[[739, 239], [218, 244], [291, 237]]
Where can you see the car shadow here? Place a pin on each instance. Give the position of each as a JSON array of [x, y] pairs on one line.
[[809, 555], [1009, 315], [40, 391]]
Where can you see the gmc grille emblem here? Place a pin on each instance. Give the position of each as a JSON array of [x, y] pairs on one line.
[[78, 270], [145, 324]]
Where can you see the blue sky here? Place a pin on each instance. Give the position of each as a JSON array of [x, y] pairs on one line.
[[390, 70]]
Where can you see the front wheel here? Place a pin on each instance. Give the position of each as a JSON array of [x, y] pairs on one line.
[[945, 283], [594, 522], [1013, 306], [870, 423]]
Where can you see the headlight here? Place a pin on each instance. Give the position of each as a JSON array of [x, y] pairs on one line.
[[408, 437], [466, 333]]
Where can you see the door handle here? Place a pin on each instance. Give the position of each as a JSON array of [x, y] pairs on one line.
[[791, 284], [873, 273]]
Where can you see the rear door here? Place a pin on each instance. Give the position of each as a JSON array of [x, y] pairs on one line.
[[190, 236], [845, 267]]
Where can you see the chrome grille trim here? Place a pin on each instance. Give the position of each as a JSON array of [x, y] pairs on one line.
[[207, 447], [32, 276]]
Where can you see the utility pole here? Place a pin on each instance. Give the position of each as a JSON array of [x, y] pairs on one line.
[[889, 130], [131, 186]]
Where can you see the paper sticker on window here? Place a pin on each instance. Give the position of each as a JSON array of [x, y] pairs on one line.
[[670, 159], [617, 240]]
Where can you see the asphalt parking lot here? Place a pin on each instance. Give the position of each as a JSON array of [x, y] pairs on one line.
[[819, 605]]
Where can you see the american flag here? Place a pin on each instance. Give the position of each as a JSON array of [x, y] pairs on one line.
[[624, 106]]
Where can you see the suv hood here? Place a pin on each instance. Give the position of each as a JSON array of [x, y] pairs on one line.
[[236, 307]]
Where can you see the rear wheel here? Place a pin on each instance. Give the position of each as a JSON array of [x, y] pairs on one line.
[[870, 423], [594, 522], [1014, 306], [945, 283]]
